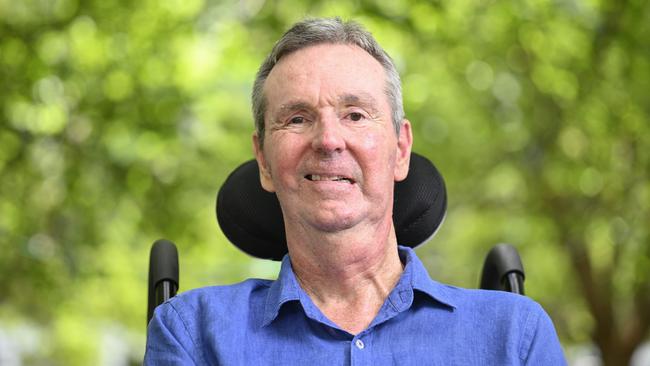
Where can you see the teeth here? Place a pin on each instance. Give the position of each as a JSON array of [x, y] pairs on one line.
[[324, 177], [315, 177]]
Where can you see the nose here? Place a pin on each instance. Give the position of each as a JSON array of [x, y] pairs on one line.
[[328, 135]]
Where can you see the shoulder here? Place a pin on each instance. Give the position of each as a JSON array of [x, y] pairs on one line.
[[224, 293], [495, 312], [197, 310], [515, 320], [503, 312], [207, 301], [183, 325], [472, 300]]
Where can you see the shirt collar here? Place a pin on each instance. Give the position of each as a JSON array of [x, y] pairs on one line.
[[284, 289], [420, 280], [414, 277]]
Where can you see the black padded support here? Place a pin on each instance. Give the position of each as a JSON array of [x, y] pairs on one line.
[[163, 274], [251, 218], [419, 203], [503, 270]]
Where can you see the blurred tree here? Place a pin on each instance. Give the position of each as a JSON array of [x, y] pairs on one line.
[[557, 124], [120, 120]]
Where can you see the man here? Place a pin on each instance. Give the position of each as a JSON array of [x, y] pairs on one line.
[[331, 141]]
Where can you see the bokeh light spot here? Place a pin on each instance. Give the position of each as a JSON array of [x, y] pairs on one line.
[[591, 182], [479, 75]]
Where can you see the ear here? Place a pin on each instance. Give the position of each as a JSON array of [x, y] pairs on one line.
[[403, 156], [265, 172]]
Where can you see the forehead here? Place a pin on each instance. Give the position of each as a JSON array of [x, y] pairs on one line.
[[325, 73]]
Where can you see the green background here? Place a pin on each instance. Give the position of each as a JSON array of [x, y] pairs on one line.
[[120, 120]]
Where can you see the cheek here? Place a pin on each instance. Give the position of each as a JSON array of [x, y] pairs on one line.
[[369, 140], [282, 159], [379, 148]]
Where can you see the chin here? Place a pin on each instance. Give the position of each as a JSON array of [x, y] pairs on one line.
[[333, 222], [333, 227]]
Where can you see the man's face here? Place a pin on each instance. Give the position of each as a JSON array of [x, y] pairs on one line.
[[330, 150]]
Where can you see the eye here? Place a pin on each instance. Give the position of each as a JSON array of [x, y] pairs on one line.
[[356, 116], [296, 120]]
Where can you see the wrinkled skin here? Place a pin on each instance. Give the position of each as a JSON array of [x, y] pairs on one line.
[[331, 152]]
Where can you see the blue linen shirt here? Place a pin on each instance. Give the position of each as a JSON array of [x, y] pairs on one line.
[[422, 322]]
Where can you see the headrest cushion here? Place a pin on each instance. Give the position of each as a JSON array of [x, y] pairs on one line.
[[251, 218]]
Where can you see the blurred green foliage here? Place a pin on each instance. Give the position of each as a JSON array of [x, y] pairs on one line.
[[119, 121]]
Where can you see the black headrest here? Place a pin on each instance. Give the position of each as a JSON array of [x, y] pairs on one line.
[[251, 217]]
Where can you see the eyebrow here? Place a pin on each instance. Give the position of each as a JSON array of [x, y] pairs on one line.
[[362, 99], [297, 105]]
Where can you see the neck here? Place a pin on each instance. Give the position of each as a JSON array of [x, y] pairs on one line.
[[348, 275]]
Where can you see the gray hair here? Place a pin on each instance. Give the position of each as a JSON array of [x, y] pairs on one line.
[[311, 32]]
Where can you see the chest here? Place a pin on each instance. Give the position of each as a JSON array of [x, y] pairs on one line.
[[413, 338]]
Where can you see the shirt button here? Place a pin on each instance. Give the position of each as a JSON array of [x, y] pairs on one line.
[[359, 344]]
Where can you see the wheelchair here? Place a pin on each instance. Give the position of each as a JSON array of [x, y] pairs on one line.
[[251, 218]]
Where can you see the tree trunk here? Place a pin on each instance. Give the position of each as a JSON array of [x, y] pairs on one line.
[[614, 354]]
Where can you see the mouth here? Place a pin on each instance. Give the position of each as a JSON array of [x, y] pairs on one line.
[[329, 178]]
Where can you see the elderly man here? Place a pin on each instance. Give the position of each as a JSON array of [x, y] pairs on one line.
[[331, 141]]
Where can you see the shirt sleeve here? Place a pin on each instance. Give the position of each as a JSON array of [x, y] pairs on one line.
[[544, 346], [168, 340]]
